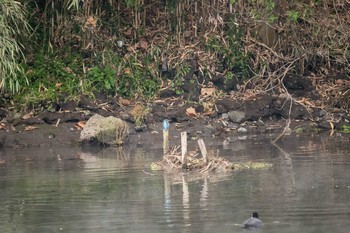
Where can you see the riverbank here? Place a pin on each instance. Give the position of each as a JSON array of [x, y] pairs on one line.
[[209, 118]]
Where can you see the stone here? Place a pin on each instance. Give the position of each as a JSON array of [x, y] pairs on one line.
[[105, 130], [242, 130], [2, 113], [236, 116]]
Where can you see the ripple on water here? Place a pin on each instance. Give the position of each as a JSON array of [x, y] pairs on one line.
[[109, 192]]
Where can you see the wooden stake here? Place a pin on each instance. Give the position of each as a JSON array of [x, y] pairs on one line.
[[184, 149], [203, 150], [165, 136]]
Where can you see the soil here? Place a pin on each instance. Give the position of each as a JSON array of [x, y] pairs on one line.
[[262, 113]]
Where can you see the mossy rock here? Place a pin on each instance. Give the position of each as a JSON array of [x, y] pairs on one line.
[[105, 130]]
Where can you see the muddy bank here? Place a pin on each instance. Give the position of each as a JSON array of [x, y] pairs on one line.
[[225, 116]]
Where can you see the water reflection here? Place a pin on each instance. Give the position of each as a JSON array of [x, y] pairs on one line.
[[109, 190]]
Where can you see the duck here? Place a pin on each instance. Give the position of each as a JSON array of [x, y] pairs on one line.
[[253, 222]]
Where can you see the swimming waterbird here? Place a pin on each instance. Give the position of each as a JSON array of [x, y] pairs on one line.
[[253, 222]]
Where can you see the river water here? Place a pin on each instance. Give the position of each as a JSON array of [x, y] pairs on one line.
[[113, 190]]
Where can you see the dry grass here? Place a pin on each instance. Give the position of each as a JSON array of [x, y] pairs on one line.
[[172, 162]]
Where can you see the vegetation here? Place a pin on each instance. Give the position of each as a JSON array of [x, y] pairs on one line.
[[345, 129], [135, 48], [12, 25]]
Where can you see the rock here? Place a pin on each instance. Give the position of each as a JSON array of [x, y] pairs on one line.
[[53, 117], [2, 113], [33, 121], [68, 105], [140, 128], [220, 109], [242, 130], [232, 125], [325, 125], [228, 104], [298, 85], [13, 116], [105, 130], [224, 116], [236, 116], [224, 83], [321, 113], [85, 103], [167, 93]]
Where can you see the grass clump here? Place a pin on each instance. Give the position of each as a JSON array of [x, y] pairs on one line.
[[345, 129], [12, 24], [61, 76], [52, 79]]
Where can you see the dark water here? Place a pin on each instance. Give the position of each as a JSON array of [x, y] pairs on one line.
[[107, 190]]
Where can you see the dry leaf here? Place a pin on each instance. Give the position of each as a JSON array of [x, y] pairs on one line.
[[143, 44], [208, 91], [208, 108], [2, 126], [124, 102], [340, 82], [191, 112], [58, 85], [27, 116], [249, 95], [30, 128], [80, 125], [132, 48], [90, 22], [127, 71], [209, 112], [137, 111], [306, 102], [129, 32]]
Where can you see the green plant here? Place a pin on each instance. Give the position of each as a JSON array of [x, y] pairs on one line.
[[293, 15], [141, 115], [179, 79], [263, 10], [103, 79], [299, 130], [137, 78], [231, 54], [229, 76], [51, 79], [132, 3], [345, 129], [12, 24]]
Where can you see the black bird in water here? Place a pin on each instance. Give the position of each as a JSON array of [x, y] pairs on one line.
[[253, 222]]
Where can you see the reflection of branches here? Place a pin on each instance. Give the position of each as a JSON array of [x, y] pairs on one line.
[[286, 155], [286, 128], [288, 170]]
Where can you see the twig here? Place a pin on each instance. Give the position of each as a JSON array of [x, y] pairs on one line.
[[58, 122]]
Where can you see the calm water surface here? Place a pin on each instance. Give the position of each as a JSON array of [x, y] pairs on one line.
[[108, 190]]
